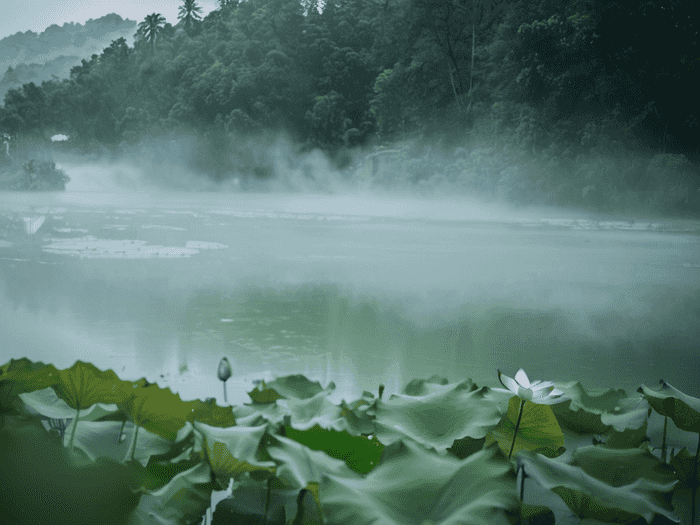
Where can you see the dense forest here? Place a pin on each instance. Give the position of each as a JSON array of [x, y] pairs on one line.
[[582, 103]]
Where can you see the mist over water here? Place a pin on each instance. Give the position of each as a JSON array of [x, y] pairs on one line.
[[348, 285]]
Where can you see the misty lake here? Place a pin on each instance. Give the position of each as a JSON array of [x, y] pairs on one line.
[[357, 290]]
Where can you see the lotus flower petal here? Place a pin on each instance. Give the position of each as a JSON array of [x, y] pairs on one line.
[[522, 379], [540, 392]]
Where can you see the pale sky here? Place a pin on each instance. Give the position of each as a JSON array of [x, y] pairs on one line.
[[21, 15]]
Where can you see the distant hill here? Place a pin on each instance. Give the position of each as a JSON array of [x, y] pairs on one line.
[[35, 57]]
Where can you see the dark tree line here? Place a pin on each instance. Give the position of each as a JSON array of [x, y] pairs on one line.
[[579, 76]]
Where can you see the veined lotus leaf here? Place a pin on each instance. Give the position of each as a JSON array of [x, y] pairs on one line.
[[300, 467], [683, 409], [599, 482], [101, 439], [231, 451], [296, 387], [46, 403], [316, 410], [614, 407], [437, 419], [22, 375], [183, 500], [83, 385], [415, 485], [538, 428], [156, 409], [211, 414]]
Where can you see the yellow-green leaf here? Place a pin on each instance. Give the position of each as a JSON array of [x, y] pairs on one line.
[[538, 428], [83, 384]]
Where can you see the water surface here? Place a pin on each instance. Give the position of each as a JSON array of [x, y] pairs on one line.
[[357, 290]]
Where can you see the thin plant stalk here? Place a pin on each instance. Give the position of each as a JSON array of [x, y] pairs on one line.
[[73, 429], [517, 425], [694, 483], [663, 443], [522, 492]]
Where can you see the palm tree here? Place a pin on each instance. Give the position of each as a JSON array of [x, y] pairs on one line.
[[189, 12], [151, 27]]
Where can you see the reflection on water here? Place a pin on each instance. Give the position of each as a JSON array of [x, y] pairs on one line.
[[32, 224]]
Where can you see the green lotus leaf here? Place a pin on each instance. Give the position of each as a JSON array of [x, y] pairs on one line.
[[683, 463], [210, 413], [48, 405], [183, 500], [614, 407], [19, 376], [101, 439], [437, 419], [538, 428], [358, 452], [263, 395], [156, 409], [683, 409], [231, 452], [83, 385], [413, 485], [251, 503], [606, 484], [297, 386]]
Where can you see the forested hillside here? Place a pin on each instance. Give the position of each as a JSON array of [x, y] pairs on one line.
[[589, 103], [35, 57]]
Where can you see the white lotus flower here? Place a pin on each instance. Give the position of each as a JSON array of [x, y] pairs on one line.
[[538, 392]]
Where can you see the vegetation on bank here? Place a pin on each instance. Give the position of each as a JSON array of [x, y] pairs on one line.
[[32, 175], [529, 102]]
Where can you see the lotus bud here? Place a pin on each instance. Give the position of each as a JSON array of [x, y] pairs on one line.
[[224, 373], [224, 369]]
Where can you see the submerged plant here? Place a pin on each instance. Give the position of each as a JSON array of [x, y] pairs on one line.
[[538, 392], [224, 373]]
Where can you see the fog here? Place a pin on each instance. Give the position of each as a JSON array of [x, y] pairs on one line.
[[293, 265]]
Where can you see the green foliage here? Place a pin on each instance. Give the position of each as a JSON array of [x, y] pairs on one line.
[[34, 176], [151, 28], [188, 13], [328, 120], [159, 457]]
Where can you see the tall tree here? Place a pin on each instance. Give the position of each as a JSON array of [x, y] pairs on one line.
[[189, 12], [151, 28]]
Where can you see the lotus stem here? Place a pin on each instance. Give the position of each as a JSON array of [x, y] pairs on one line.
[[73, 429], [694, 483], [132, 447], [663, 442], [517, 425]]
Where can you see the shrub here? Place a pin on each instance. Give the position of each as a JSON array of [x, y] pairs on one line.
[[37, 176]]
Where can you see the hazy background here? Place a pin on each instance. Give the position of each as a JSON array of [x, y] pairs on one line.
[[44, 13], [359, 192]]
